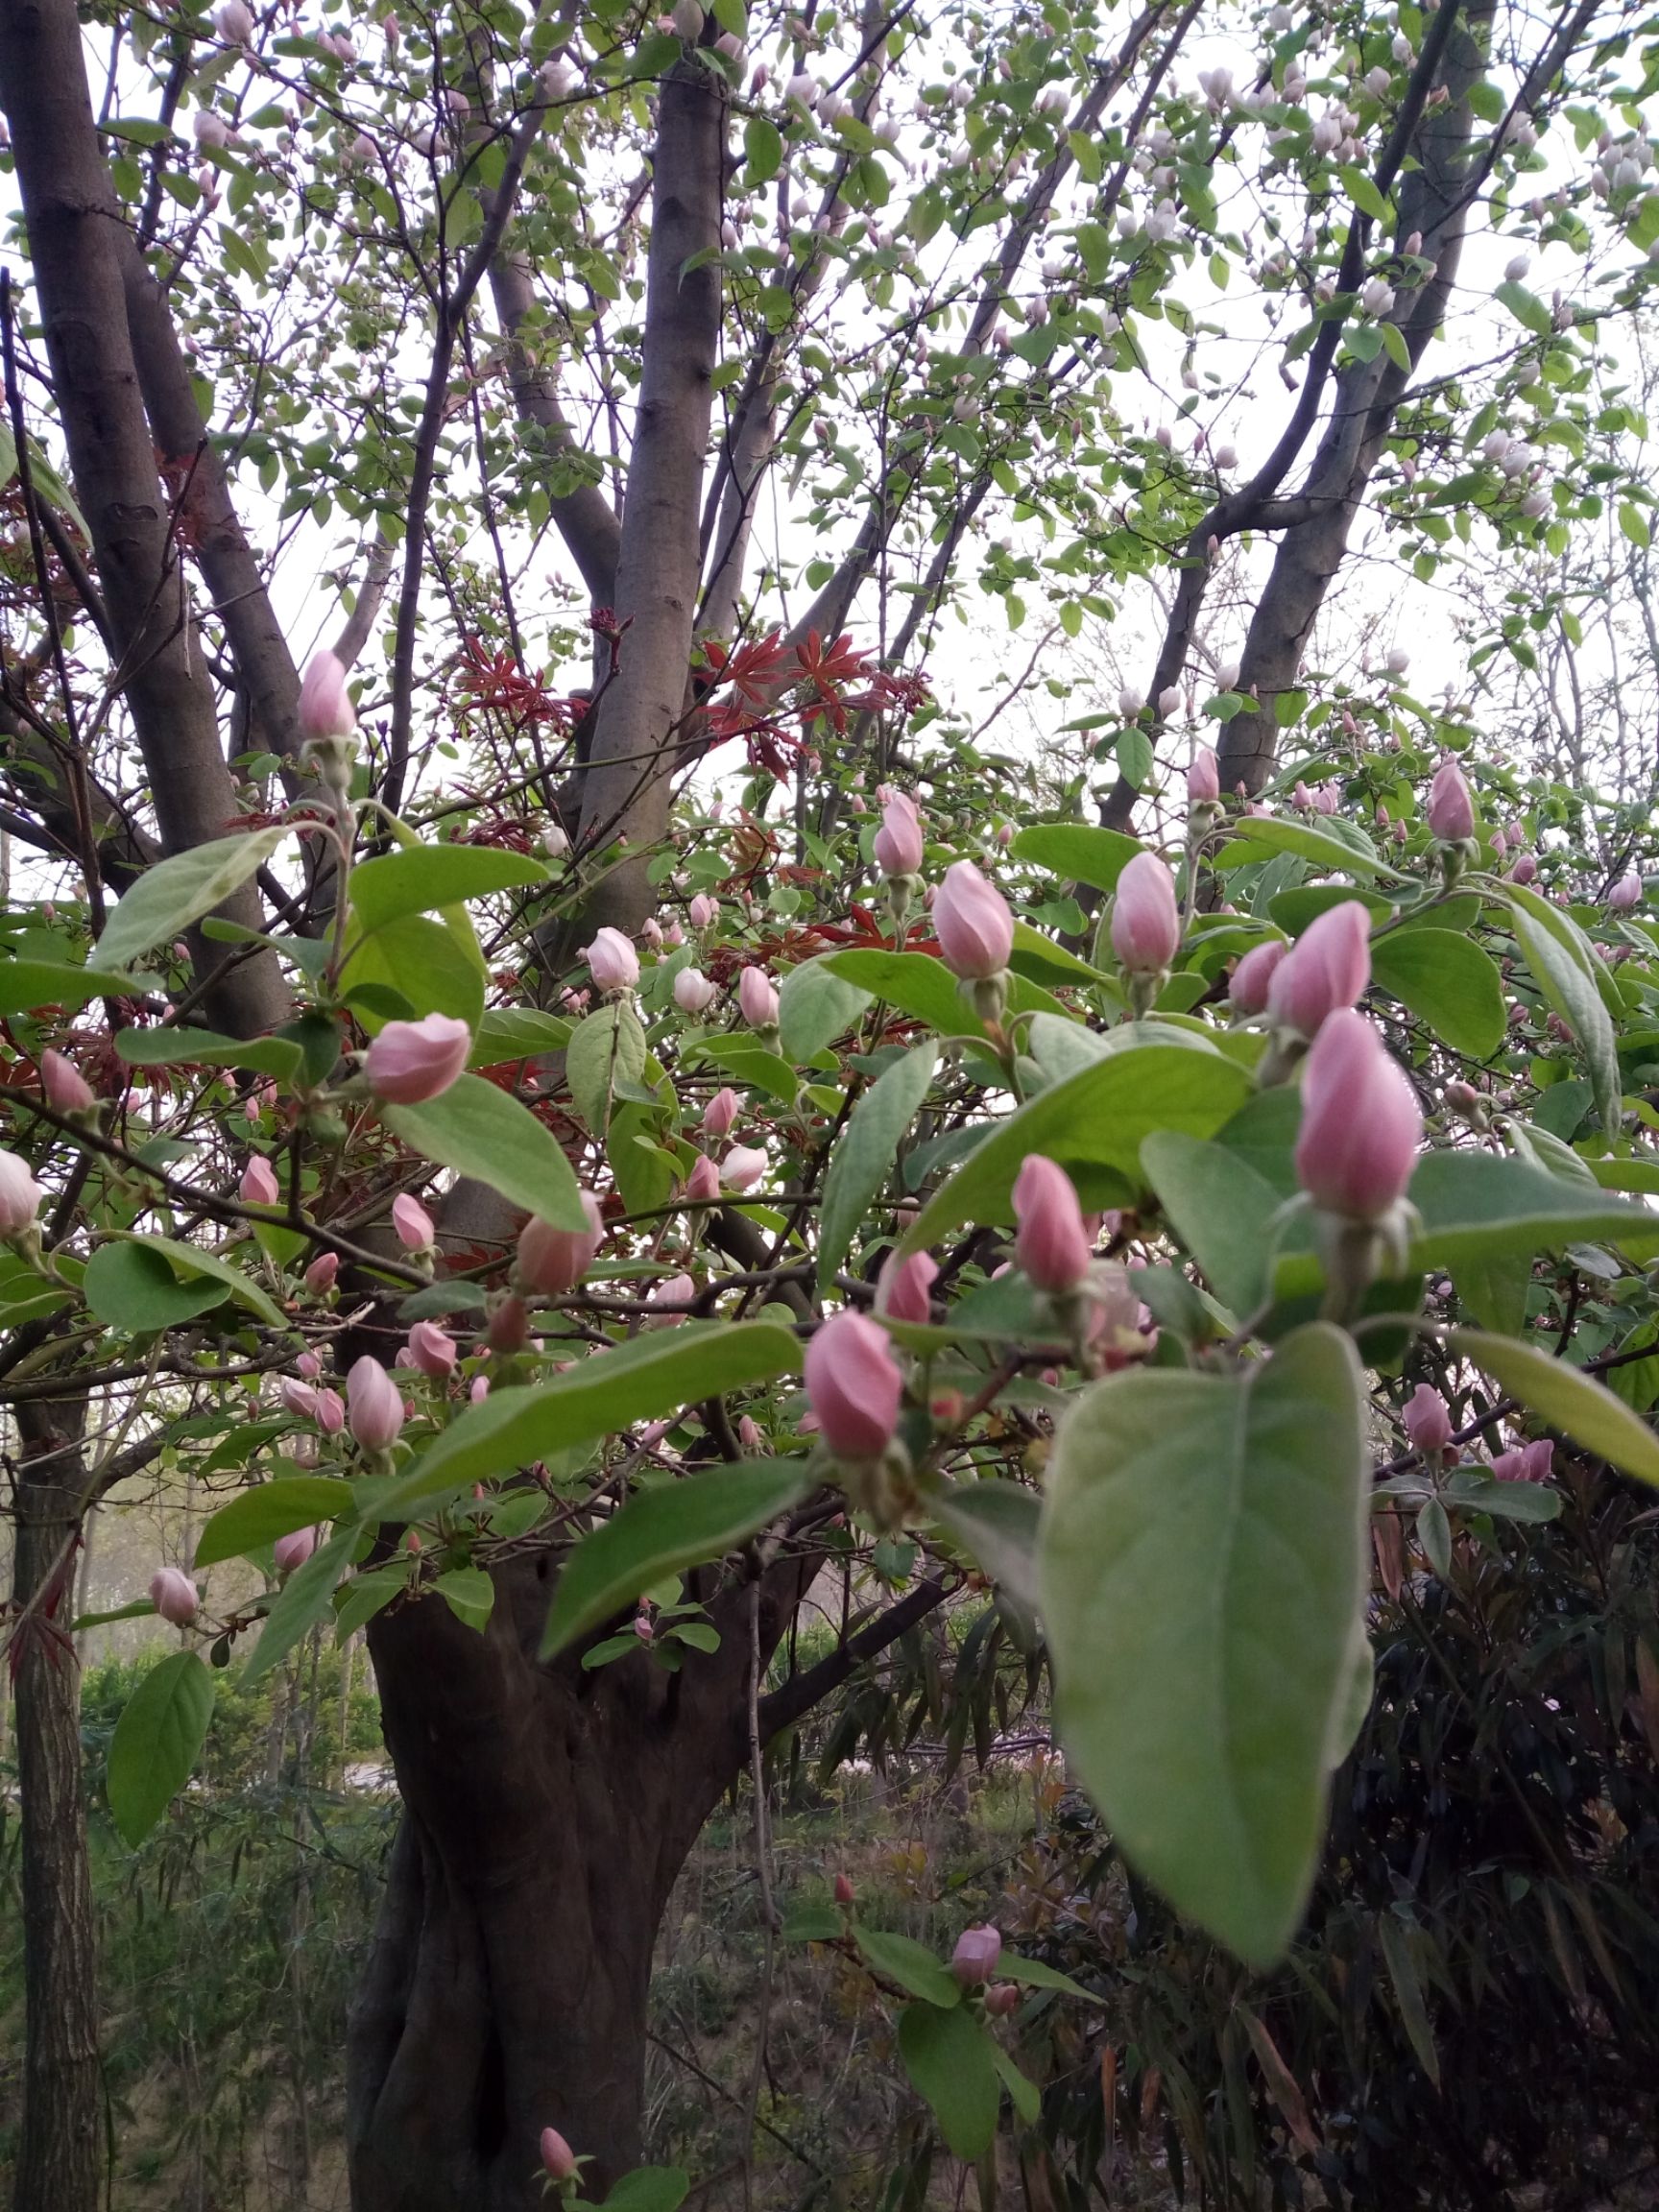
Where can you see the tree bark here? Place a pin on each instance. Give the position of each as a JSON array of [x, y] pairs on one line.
[[57, 2162]]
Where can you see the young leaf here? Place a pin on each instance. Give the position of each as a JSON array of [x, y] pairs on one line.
[[1565, 968], [649, 2189], [156, 1742], [172, 1047], [866, 1152], [950, 2058], [468, 1593], [910, 1966], [1574, 1403], [1221, 1207], [275, 1508], [422, 878], [662, 1531], [1479, 1204], [605, 1050], [814, 1006], [1202, 1566], [1447, 981], [28, 984], [482, 1131], [306, 1598], [167, 898], [996, 1523], [1078, 852], [131, 1288]]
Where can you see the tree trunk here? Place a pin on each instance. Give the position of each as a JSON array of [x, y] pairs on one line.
[[57, 2162], [546, 1815]]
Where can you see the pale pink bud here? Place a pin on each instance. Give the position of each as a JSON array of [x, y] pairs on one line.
[[320, 1275], [1451, 807], [294, 1550], [556, 2156], [973, 923], [1625, 893], [508, 1327], [742, 1167], [703, 911], [1326, 968], [844, 1891], [65, 1089], [478, 1390], [173, 1594], [1526, 1462], [758, 999], [1525, 870], [1001, 1998], [235, 22], [211, 129], [652, 932], [20, 1197], [673, 937], [702, 1184], [376, 1415], [974, 1959], [749, 1434], [693, 991], [551, 1261], [1131, 702], [259, 1184], [904, 1287], [411, 1062], [1169, 702], [898, 847], [612, 961], [330, 1411], [1146, 919], [1361, 1121], [721, 1111], [1203, 777], [433, 1350], [1247, 992], [677, 1291], [1051, 1246], [415, 1226], [325, 709], [853, 1385], [1302, 798], [297, 1398], [1425, 1420]]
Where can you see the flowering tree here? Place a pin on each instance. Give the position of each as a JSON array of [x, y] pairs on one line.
[[430, 1111]]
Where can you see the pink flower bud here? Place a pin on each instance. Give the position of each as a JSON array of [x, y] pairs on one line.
[[677, 1291], [1625, 894], [1001, 1998], [309, 1366], [433, 1350], [844, 1890], [478, 1390], [20, 1197], [173, 1594], [320, 1275], [974, 1959], [376, 1415], [1203, 777], [1425, 1420], [693, 991], [704, 912], [1326, 968], [749, 1434], [652, 932], [413, 1223], [411, 1062], [758, 998], [1451, 807], [975, 924], [1145, 920], [702, 1184], [294, 1550], [720, 1113], [1361, 1121], [904, 1287], [557, 2155], [1247, 992], [1526, 1462], [1169, 702], [508, 1329], [325, 709], [1302, 798], [259, 1184], [65, 1089], [1051, 1246], [1525, 870], [612, 961], [330, 1411], [898, 847], [854, 1386], [552, 1261], [743, 1167]]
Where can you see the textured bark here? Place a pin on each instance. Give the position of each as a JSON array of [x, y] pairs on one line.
[[628, 784], [74, 231], [57, 2162]]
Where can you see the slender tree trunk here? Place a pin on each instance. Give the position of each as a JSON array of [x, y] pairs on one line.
[[57, 2162]]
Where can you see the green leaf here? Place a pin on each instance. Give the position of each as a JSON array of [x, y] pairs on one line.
[[996, 1523], [1033, 1974], [814, 1920], [662, 1531], [175, 892], [191, 1262], [605, 1049], [1364, 193], [416, 966], [306, 1598], [753, 1065], [1078, 852], [1477, 1204], [1565, 968], [1043, 960], [1528, 309], [169, 1048], [468, 1593], [949, 2058], [1447, 981], [922, 986], [649, 2189], [763, 150], [423, 878], [1329, 847], [1023, 2093], [910, 1966], [1098, 1117], [482, 1131], [1203, 1565], [652, 1374], [134, 1289], [359, 1601], [1574, 1403], [507, 1033], [814, 1007], [156, 1742], [275, 1508], [28, 985], [1408, 1993], [1222, 1208], [867, 1151]]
